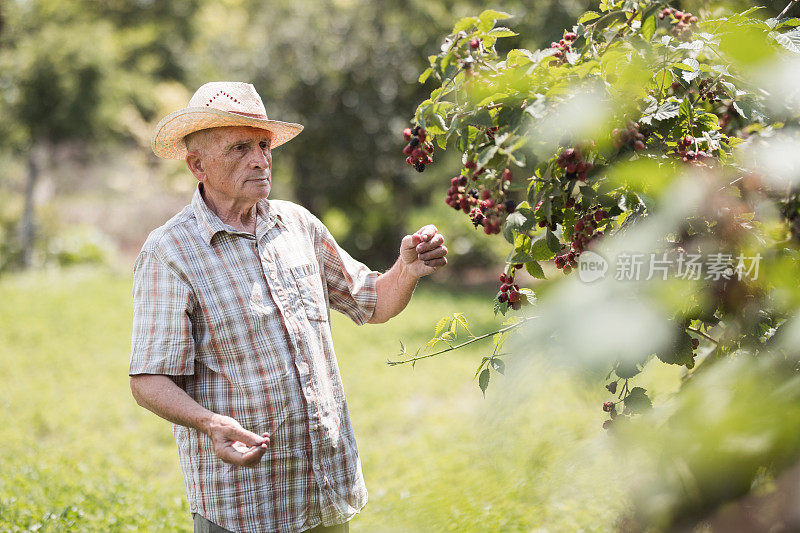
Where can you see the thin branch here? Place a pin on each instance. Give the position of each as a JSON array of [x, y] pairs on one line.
[[704, 335], [457, 346], [785, 9]]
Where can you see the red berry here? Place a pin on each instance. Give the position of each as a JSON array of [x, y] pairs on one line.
[[695, 344], [474, 43], [608, 407], [513, 296], [507, 174], [407, 150], [579, 225], [503, 277], [505, 287], [470, 164], [422, 134], [429, 148], [638, 145], [598, 215], [502, 296], [407, 134], [417, 153], [558, 53], [410, 160]]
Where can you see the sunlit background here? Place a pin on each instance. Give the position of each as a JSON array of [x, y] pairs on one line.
[[82, 84]]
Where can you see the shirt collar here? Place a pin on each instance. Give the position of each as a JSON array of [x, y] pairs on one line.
[[210, 224]]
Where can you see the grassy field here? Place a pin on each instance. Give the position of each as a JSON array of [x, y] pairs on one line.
[[79, 454]]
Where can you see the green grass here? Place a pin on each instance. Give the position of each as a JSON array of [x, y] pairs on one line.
[[79, 454]]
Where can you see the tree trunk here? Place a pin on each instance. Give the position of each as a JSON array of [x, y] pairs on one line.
[[27, 228]]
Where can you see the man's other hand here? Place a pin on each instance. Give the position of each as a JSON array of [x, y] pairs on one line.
[[234, 444], [423, 252]]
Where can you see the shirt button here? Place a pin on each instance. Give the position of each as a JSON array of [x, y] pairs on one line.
[[314, 427], [273, 276]]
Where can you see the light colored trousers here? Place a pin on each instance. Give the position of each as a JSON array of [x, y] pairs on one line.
[[202, 525]]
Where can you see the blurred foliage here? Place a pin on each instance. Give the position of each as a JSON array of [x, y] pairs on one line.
[[645, 138], [101, 73]]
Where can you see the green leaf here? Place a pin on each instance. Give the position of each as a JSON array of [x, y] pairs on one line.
[[626, 369], [492, 99], [588, 16], [464, 24], [789, 23], [518, 257], [540, 250], [685, 109], [486, 155], [499, 365], [502, 32], [648, 28], [535, 269], [637, 401], [552, 242], [425, 75], [441, 325], [483, 380], [667, 110], [481, 118], [493, 15]]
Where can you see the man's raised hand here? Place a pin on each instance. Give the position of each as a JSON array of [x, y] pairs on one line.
[[423, 252], [234, 444]]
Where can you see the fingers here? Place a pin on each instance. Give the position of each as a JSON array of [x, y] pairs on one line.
[[435, 242], [426, 233], [247, 437], [239, 454], [436, 253], [436, 263]]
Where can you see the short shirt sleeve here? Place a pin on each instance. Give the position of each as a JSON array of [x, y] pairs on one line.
[[161, 342], [351, 284]]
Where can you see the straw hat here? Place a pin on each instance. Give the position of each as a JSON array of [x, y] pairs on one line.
[[216, 104]]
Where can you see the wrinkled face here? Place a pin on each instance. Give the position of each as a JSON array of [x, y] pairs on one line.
[[234, 163]]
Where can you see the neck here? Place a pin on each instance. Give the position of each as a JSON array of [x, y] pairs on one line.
[[234, 212]]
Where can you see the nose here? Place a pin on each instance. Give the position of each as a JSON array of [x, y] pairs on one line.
[[262, 158]]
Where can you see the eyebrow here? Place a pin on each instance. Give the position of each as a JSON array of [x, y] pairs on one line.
[[247, 141]]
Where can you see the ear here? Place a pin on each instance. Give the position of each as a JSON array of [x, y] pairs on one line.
[[195, 164]]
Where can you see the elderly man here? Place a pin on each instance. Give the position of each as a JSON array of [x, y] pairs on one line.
[[231, 340]]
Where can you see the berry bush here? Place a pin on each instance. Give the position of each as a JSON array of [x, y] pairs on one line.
[[567, 147]]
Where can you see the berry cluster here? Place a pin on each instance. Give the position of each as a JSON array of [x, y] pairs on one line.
[[458, 197], [418, 151], [681, 21], [584, 230], [566, 260], [630, 136], [574, 164], [509, 292], [564, 45], [690, 155], [483, 208], [707, 91]]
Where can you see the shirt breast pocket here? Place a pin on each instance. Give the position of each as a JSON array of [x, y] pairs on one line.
[[309, 290]]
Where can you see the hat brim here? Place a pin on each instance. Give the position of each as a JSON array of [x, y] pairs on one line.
[[170, 131]]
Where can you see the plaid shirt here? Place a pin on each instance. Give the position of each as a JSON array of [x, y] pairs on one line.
[[241, 322]]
